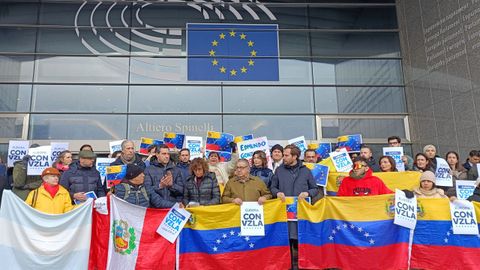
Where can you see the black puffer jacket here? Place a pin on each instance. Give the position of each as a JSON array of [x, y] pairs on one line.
[[154, 174], [208, 193], [81, 179], [137, 195]]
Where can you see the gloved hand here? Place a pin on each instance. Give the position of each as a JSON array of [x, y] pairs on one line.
[[409, 194]]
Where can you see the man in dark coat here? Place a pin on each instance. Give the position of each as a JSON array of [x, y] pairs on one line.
[[183, 163]]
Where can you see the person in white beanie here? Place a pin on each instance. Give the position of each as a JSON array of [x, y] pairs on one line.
[[427, 188]]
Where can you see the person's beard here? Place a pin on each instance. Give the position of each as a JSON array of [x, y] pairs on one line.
[[357, 176]]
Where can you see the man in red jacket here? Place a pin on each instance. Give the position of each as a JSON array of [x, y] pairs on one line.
[[361, 182]]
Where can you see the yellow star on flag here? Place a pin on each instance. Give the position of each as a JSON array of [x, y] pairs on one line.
[[223, 69], [214, 43], [251, 62], [212, 53], [232, 33], [253, 53], [244, 70], [214, 62], [250, 43], [222, 36], [233, 72], [243, 36]]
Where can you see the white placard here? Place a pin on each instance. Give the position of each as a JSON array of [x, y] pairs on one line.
[[16, 151], [39, 160], [405, 210], [100, 205], [301, 143], [247, 148], [396, 153], [173, 223], [101, 165], [464, 220], [194, 144], [251, 219], [115, 146], [464, 188], [443, 176], [57, 148], [341, 160]]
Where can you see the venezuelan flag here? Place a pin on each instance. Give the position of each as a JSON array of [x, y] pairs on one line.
[[173, 140], [434, 244], [146, 142], [213, 241], [218, 141], [115, 174], [351, 233]]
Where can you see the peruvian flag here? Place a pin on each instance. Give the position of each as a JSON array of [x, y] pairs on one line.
[[134, 242]]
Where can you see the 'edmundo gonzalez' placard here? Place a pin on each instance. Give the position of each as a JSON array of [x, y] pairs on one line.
[[251, 219], [247, 148]]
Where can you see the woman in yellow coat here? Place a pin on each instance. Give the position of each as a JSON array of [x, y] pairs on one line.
[[50, 197]]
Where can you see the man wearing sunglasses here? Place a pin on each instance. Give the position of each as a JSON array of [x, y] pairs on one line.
[[361, 182]]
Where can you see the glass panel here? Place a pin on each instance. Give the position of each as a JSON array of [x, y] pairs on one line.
[[79, 98], [21, 40], [85, 41], [16, 13], [358, 72], [16, 68], [11, 126], [360, 100], [353, 18], [77, 127], [355, 44], [82, 69], [167, 42], [369, 128], [175, 99], [15, 97], [294, 43], [91, 14], [267, 99], [153, 126], [274, 127]]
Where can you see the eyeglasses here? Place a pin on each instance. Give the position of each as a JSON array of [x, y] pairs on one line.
[[357, 166]]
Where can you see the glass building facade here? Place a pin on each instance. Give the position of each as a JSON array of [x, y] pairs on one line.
[[102, 71]]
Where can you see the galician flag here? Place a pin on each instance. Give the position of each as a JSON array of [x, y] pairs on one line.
[[134, 242]]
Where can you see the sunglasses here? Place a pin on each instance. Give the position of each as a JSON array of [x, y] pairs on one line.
[[357, 166]]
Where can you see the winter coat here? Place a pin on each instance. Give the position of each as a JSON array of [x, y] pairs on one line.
[[223, 169], [373, 165], [369, 185], [472, 174], [23, 184], [434, 193], [82, 179], [249, 191], [207, 193], [154, 174], [475, 196], [184, 168], [138, 161], [137, 195], [263, 173], [61, 203]]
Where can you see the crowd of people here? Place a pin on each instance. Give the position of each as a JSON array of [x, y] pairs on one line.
[[165, 177]]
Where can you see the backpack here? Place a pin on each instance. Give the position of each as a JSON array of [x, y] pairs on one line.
[[128, 191]]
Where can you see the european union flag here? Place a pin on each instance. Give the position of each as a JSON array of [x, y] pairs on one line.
[[232, 52]]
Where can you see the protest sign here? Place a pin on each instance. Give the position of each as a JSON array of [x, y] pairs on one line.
[[39, 160], [218, 141], [322, 149], [101, 164], [352, 143], [145, 143], [194, 144], [243, 138], [341, 160], [464, 220], [57, 148], [16, 151], [251, 219], [173, 140], [396, 153], [224, 156], [319, 172], [173, 223], [405, 210], [115, 174], [247, 148], [301, 143], [90, 194], [115, 146], [292, 205], [442, 174], [464, 188]]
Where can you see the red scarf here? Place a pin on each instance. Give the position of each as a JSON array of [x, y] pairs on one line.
[[51, 189], [62, 167]]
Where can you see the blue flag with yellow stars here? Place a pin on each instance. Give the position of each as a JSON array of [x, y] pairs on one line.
[[232, 52]]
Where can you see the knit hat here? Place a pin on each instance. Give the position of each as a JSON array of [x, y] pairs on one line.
[[277, 147], [86, 154], [50, 171], [427, 176], [133, 171]]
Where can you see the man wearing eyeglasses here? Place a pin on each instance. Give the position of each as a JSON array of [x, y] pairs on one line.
[[361, 182], [245, 187]]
